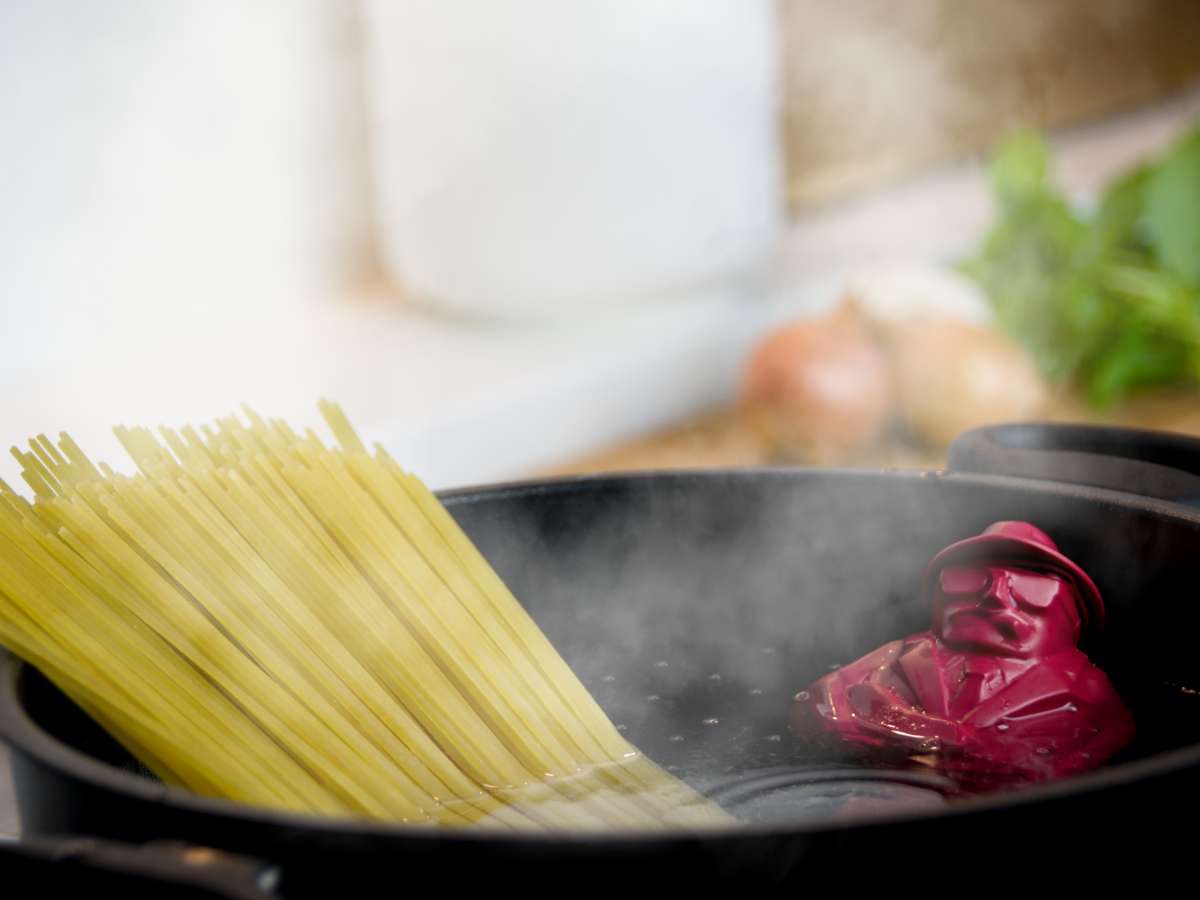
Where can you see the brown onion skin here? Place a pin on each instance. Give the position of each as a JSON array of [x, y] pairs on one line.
[[818, 389], [952, 376]]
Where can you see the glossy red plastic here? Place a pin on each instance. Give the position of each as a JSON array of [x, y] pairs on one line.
[[997, 693]]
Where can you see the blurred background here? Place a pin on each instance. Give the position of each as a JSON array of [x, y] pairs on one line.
[[530, 237]]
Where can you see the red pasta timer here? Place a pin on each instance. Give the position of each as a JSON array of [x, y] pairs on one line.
[[998, 692]]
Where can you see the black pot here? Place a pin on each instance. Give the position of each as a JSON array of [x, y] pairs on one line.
[[694, 605]]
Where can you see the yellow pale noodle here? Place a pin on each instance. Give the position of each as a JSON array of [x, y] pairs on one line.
[[259, 617]]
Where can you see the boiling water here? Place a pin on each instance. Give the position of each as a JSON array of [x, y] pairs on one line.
[[724, 731], [727, 735]]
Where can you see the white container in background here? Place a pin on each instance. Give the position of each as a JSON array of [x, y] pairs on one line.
[[169, 164], [540, 157]]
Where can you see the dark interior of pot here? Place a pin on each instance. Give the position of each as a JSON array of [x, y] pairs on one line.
[[694, 606]]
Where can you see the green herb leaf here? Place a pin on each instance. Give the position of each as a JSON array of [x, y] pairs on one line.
[[1020, 165], [1173, 210], [1110, 303]]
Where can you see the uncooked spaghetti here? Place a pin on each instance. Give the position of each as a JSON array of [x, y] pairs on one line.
[[259, 617]]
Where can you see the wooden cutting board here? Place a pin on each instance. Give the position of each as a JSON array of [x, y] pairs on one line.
[[722, 438]]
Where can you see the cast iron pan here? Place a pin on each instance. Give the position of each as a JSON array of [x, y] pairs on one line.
[[694, 605]]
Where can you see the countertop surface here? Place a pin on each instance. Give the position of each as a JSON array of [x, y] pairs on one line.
[[436, 390], [723, 438]]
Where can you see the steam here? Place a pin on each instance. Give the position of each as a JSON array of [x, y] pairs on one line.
[[695, 607], [652, 585]]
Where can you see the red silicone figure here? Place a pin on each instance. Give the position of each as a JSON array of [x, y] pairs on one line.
[[997, 693]]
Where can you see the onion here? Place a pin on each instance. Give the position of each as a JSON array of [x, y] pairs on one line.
[[891, 295], [952, 376], [817, 389]]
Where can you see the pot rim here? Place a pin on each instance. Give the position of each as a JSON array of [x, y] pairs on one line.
[[25, 737]]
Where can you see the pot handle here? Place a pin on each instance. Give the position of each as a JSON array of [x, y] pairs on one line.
[[157, 868], [1154, 464]]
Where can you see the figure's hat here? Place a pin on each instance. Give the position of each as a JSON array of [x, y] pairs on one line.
[[1026, 545]]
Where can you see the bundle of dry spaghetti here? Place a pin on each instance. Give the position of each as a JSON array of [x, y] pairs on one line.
[[259, 617]]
